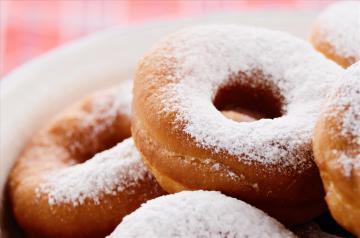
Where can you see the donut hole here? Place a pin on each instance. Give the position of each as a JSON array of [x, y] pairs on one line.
[[245, 99], [83, 135], [87, 146]]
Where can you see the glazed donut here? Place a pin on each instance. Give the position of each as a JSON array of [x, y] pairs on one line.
[[337, 150], [186, 79], [199, 214], [336, 32], [56, 191]]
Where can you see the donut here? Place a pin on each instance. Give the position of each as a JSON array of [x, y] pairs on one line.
[[67, 184], [238, 116], [188, 78], [199, 214], [336, 32], [337, 150]]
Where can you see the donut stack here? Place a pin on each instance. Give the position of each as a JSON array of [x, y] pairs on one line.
[[226, 131]]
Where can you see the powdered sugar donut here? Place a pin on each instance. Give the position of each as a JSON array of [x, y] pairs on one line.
[[198, 214], [336, 33], [57, 192], [337, 150], [188, 78]]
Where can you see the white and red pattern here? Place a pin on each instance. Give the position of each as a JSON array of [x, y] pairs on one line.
[[32, 27]]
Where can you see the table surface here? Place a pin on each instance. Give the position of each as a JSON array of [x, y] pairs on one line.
[[31, 27]]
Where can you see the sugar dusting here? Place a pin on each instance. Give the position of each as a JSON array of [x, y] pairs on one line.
[[102, 112], [124, 94], [107, 173], [349, 165], [108, 108], [206, 57], [199, 214], [340, 25], [346, 98]]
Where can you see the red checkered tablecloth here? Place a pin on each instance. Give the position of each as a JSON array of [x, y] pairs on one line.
[[32, 27]]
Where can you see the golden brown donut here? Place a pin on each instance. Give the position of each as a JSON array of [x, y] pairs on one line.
[[337, 150], [336, 32], [61, 186], [184, 82]]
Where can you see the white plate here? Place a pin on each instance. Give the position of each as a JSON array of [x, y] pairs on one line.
[[37, 90]]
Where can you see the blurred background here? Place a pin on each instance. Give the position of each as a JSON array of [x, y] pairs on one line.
[[31, 27]]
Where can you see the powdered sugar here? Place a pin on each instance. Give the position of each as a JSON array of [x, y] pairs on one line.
[[349, 165], [349, 97], [346, 99], [198, 214], [205, 57], [108, 172], [340, 25], [97, 113], [219, 167], [106, 108], [124, 94]]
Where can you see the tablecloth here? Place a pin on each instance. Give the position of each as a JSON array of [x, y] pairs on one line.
[[31, 27]]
